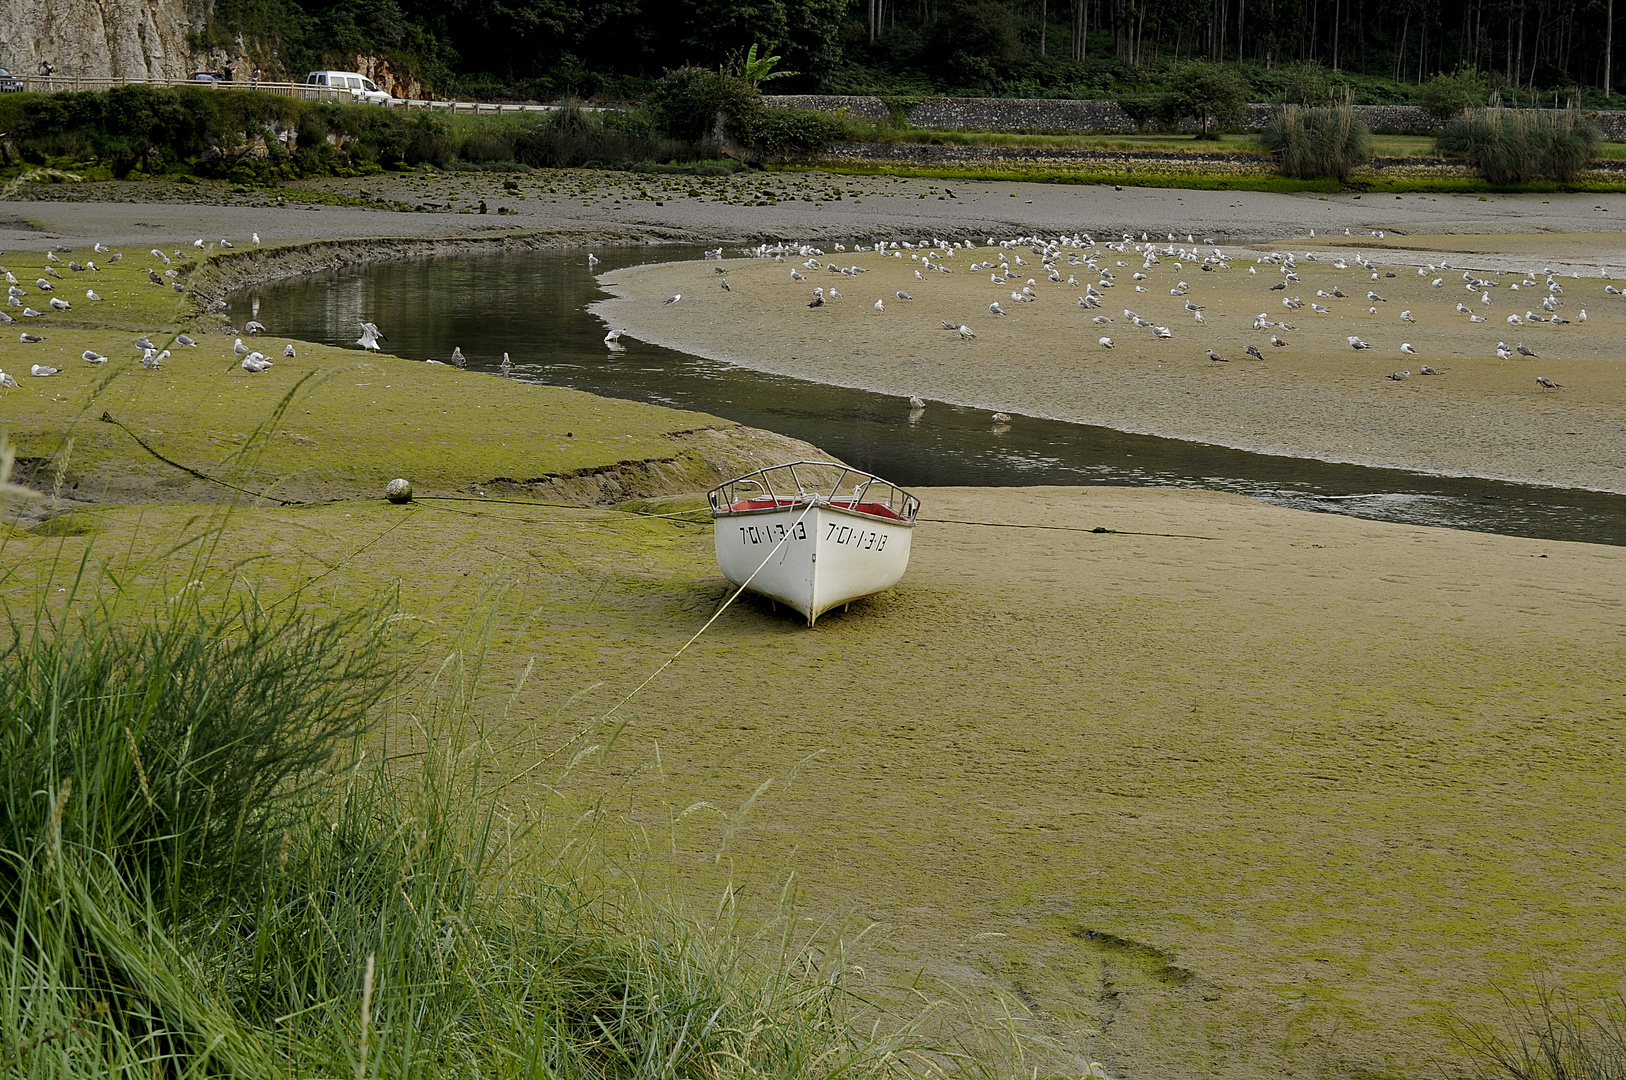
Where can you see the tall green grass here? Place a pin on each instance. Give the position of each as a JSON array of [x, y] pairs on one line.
[[1551, 1038], [1513, 146], [232, 844], [1323, 142]]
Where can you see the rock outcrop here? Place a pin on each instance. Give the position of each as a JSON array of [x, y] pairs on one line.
[[129, 39]]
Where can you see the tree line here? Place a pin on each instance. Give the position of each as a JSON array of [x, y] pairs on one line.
[[1528, 47]]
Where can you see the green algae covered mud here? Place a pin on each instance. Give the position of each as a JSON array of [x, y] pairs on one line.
[[1210, 788]]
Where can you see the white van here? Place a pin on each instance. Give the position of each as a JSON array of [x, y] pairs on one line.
[[361, 88]]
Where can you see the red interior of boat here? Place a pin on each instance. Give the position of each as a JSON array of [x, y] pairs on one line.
[[880, 510]]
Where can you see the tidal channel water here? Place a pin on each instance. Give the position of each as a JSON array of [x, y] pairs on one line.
[[533, 305]]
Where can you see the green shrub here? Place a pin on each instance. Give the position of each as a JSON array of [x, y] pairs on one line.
[[688, 102], [1512, 146], [1212, 94], [1446, 95], [782, 132], [1330, 141]]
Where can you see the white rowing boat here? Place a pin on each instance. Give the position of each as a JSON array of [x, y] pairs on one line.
[[813, 534]]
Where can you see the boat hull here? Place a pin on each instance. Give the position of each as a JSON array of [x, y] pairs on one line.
[[812, 557]]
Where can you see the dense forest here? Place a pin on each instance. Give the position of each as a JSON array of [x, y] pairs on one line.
[[615, 48]]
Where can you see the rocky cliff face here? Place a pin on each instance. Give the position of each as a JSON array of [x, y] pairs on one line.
[[131, 39]]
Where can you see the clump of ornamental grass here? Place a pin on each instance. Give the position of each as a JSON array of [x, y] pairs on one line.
[[1515, 146], [1312, 143]]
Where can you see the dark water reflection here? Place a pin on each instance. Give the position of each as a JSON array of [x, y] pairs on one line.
[[533, 305]]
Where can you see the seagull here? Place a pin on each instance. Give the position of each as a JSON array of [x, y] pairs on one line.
[[797, 275], [253, 327], [198, 243], [1356, 343], [592, 260], [42, 285], [92, 357], [185, 339], [674, 298], [1476, 318], [117, 256], [1101, 320], [1399, 376], [1524, 350], [101, 248], [965, 333], [152, 276], [916, 402], [7, 381], [995, 309], [256, 237], [1253, 351], [30, 313], [1547, 384], [1105, 343], [42, 370], [1426, 370], [1375, 298], [1503, 352], [1514, 320], [724, 284], [1276, 341], [1405, 347], [31, 338], [903, 295], [1216, 357], [505, 367], [1405, 316], [1438, 283], [1001, 418], [818, 298], [254, 363], [1582, 316], [457, 357], [59, 303], [237, 346], [90, 294], [368, 339], [288, 350]]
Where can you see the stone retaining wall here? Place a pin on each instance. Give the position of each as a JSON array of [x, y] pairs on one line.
[[870, 108], [1108, 117]]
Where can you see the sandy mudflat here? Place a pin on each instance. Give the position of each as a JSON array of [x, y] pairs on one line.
[[1315, 397], [1279, 795]]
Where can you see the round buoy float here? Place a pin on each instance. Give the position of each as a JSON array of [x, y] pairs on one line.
[[398, 491]]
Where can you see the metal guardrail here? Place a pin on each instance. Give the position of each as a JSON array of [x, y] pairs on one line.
[[47, 84]]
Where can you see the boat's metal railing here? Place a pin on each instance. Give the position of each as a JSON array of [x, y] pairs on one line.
[[796, 483]]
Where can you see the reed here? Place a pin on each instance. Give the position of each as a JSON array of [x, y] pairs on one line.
[[1315, 143], [1514, 146]]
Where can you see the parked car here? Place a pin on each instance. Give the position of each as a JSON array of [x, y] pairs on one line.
[[9, 83], [213, 78], [361, 88]]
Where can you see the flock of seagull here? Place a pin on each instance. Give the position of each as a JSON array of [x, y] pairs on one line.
[[152, 357], [1080, 261]]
